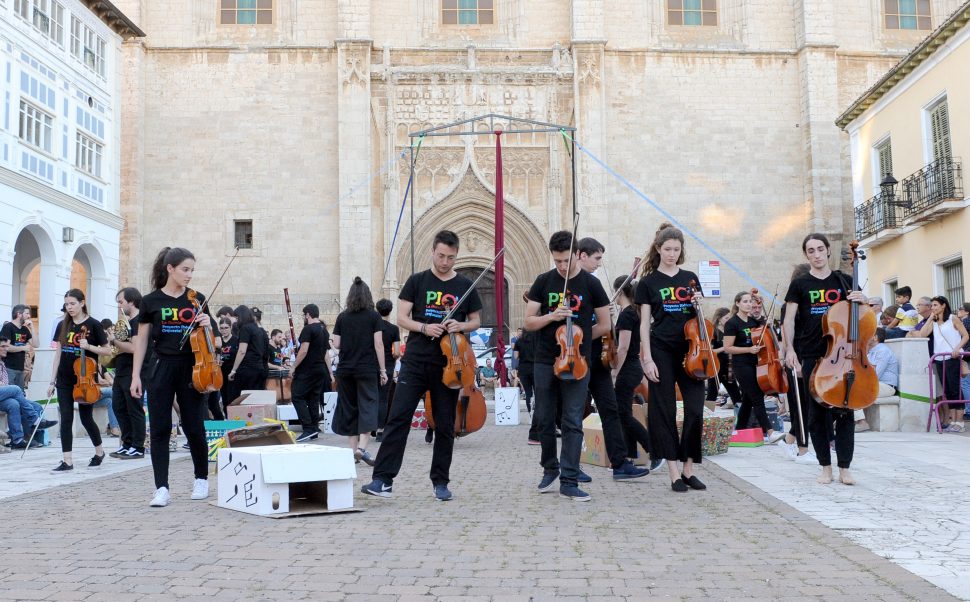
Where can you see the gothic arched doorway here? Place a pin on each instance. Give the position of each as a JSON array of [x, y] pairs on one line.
[[486, 290]]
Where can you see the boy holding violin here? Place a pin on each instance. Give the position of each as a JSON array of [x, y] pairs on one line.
[[422, 304], [551, 312], [809, 298]]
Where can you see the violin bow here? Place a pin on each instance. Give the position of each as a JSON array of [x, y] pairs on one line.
[[768, 314], [636, 266], [569, 263], [455, 307], [205, 303]]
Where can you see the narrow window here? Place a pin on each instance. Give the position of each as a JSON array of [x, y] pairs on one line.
[[244, 233]]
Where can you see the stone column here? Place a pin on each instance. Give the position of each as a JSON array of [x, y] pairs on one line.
[[354, 161], [818, 70], [133, 270]]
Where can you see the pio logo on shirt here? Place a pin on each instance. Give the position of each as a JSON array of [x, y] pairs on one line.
[[822, 295], [574, 301], [671, 293], [440, 298], [172, 315]]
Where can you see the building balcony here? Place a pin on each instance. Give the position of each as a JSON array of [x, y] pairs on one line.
[[925, 196]]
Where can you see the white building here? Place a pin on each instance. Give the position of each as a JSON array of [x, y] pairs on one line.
[[60, 154]]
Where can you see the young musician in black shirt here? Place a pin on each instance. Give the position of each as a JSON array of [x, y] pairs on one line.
[[392, 350], [310, 372], [68, 345], [738, 342], [663, 294], [227, 352], [808, 299], [20, 332], [601, 382], [547, 311], [249, 370], [166, 316], [422, 304], [129, 410]]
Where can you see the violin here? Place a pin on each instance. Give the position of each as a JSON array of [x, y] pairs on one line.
[[770, 370], [844, 378], [459, 372], [470, 412], [608, 355], [86, 389], [700, 362], [206, 373], [571, 364]]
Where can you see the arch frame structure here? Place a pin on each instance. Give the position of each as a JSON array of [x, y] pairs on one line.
[[493, 124]]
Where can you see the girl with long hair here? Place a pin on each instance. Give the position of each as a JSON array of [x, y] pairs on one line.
[[744, 359], [358, 335], [167, 314], [663, 294], [68, 345], [249, 370]]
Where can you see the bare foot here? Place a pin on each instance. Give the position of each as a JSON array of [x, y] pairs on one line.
[[845, 477], [826, 477]]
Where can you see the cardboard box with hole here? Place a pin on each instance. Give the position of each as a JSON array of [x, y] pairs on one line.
[[253, 407]]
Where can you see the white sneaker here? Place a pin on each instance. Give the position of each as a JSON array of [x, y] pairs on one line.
[[161, 499], [807, 458], [789, 450], [774, 437], [200, 490]]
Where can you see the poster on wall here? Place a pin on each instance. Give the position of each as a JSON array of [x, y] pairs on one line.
[[710, 274], [480, 338]]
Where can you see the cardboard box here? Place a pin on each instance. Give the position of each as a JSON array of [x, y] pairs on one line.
[[252, 414], [594, 445], [254, 398], [286, 412], [259, 436], [747, 438], [286, 480]]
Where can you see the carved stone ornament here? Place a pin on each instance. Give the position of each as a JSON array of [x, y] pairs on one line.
[[352, 73], [589, 72]]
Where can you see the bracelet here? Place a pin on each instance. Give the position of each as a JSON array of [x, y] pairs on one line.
[[422, 328]]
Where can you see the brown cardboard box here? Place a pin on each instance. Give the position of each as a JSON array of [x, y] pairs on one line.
[[254, 398], [259, 435], [594, 446], [252, 414]]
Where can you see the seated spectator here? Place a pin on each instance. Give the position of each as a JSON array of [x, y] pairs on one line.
[[886, 318], [875, 303], [887, 371], [487, 377], [924, 311], [22, 414], [906, 316]]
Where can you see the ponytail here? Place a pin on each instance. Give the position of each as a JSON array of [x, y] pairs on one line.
[[169, 256]]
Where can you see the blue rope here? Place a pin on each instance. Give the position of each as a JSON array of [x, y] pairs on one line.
[[761, 288], [400, 215]]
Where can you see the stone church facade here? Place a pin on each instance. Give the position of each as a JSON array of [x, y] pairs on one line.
[[296, 125]]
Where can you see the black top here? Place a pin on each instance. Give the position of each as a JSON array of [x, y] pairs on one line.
[[670, 305], [19, 337], [431, 297], [585, 294], [315, 360], [356, 330], [741, 331], [228, 352], [391, 334], [525, 345], [275, 356], [629, 319], [124, 362], [70, 350], [257, 343], [169, 318], [814, 297]]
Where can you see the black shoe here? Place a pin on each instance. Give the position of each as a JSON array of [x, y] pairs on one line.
[[583, 477], [36, 443], [22, 444], [678, 486], [63, 467], [429, 436], [694, 483], [96, 461], [379, 436], [307, 436], [119, 452], [656, 464], [46, 424]]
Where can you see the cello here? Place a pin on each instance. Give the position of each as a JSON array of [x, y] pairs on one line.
[[470, 412], [770, 370], [571, 364], [700, 362], [844, 378], [86, 389], [207, 371]]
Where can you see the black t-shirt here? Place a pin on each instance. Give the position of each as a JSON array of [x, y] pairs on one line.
[[318, 340], [431, 298], [257, 342], [670, 305], [19, 337], [391, 334], [70, 350], [585, 294], [228, 352], [169, 318], [356, 331], [629, 319], [814, 297], [741, 331], [275, 356], [124, 362], [525, 345]]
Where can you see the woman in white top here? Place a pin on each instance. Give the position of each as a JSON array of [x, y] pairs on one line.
[[949, 336]]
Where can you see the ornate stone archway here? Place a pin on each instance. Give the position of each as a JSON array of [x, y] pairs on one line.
[[470, 212]]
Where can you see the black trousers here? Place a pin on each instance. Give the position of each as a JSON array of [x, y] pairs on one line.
[[356, 411], [213, 401], [385, 394], [821, 419], [250, 379], [807, 405], [949, 372], [752, 397], [601, 388], [65, 404], [528, 381], [627, 380], [416, 378], [173, 378], [130, 413], [228, 392], [662, 409], [307, 387]]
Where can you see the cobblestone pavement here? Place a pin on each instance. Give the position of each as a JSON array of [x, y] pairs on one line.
[[498, 540], [909, 505]]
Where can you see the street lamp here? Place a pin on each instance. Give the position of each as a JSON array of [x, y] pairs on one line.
[[888, 188]]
